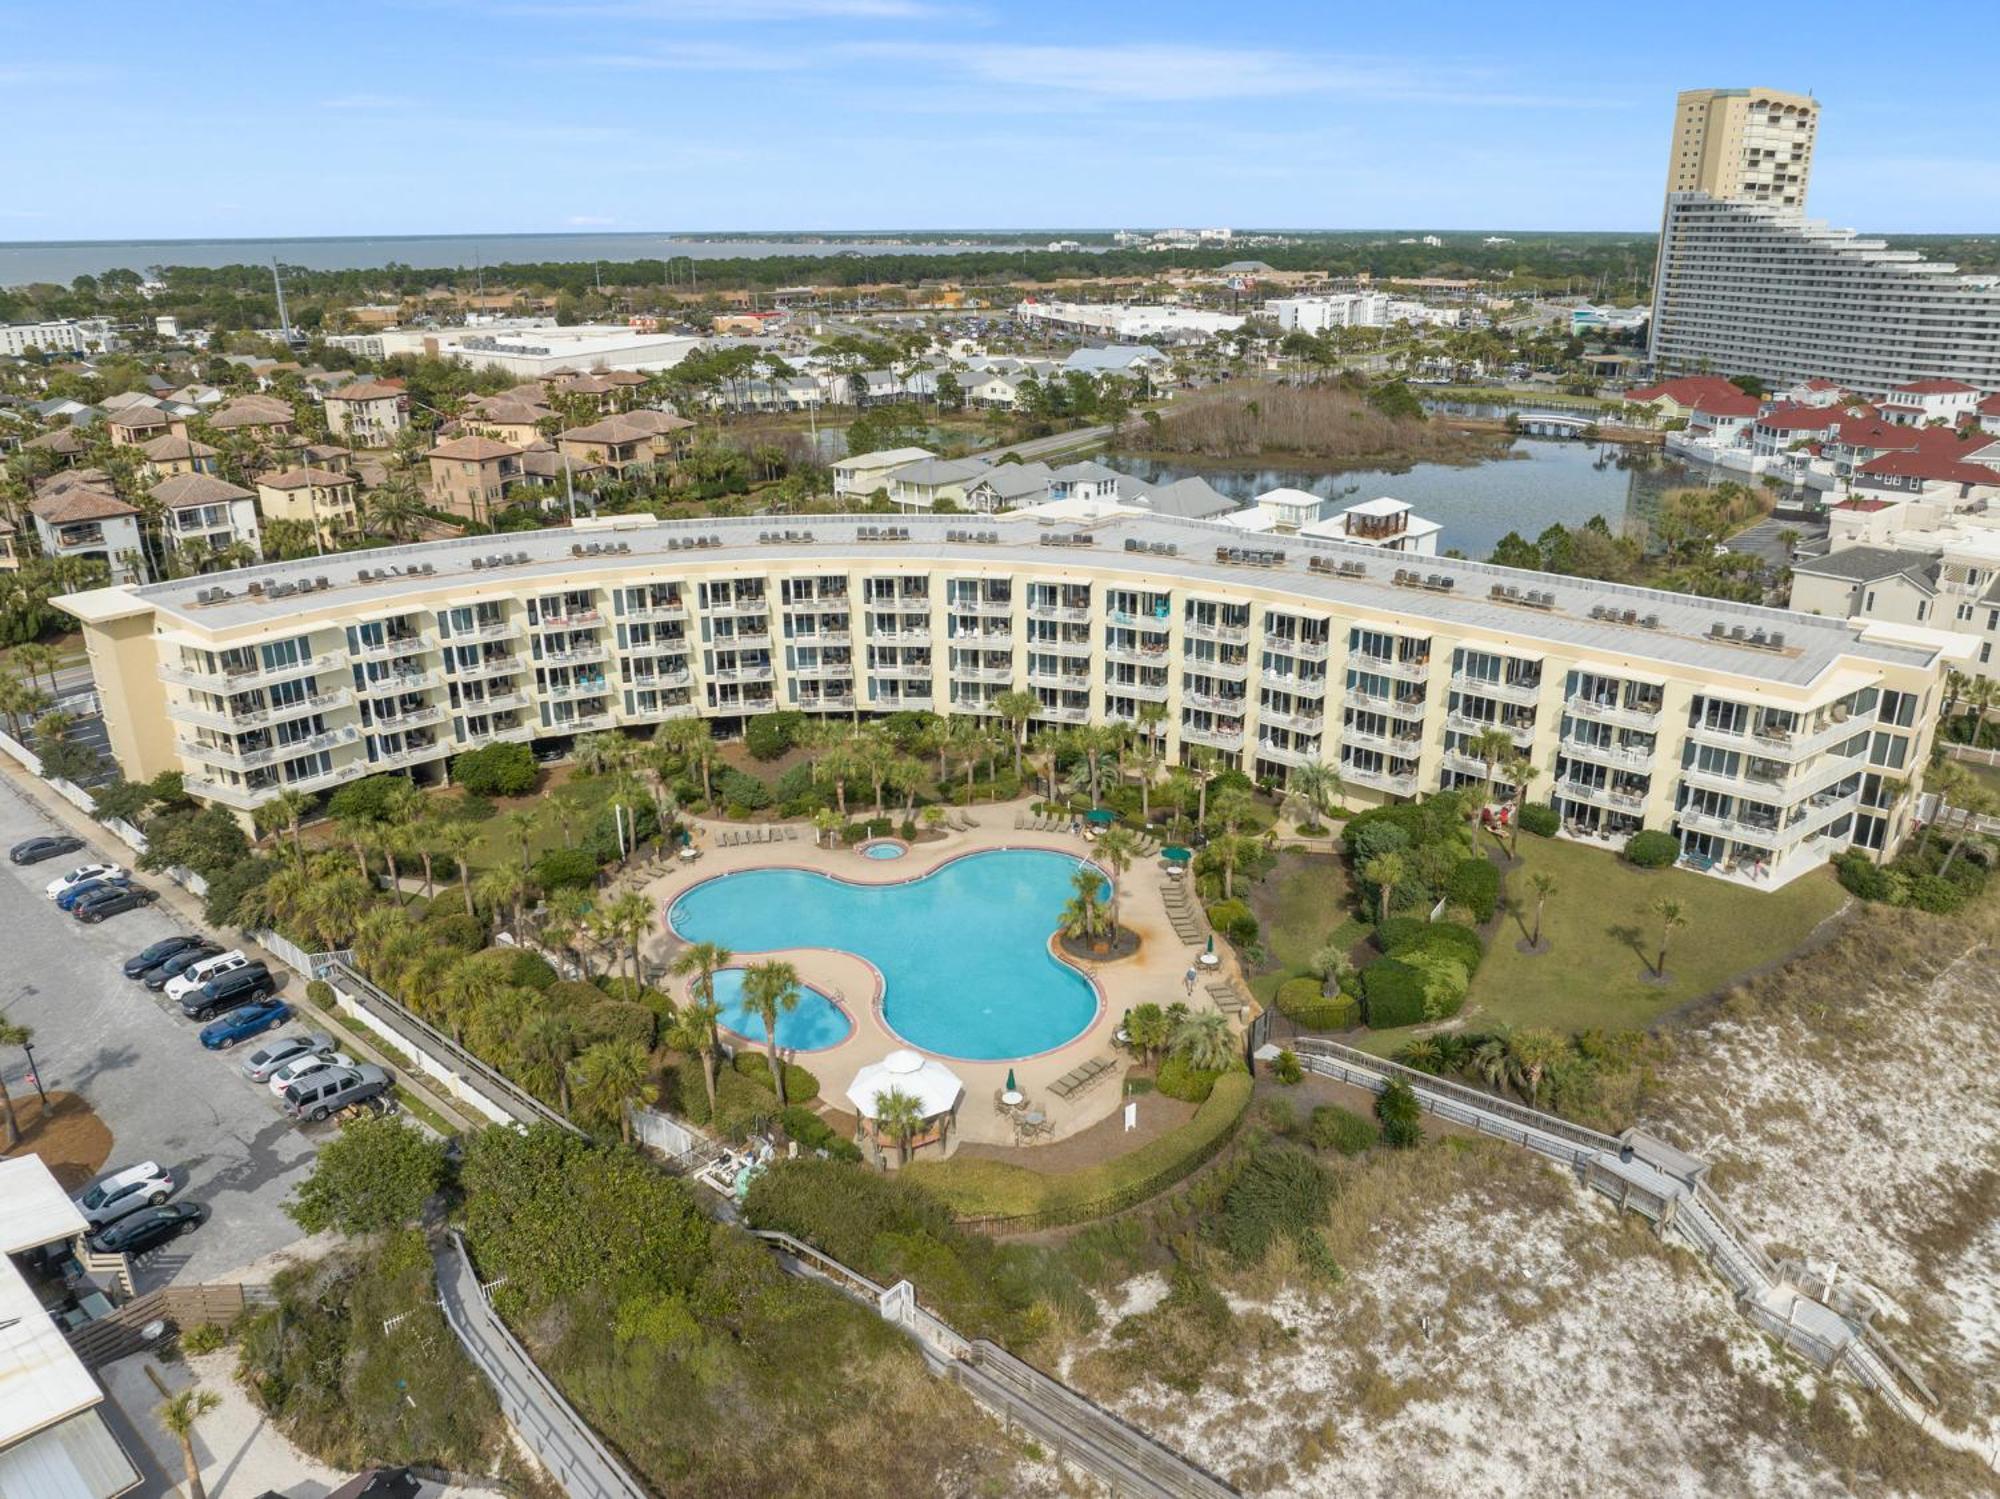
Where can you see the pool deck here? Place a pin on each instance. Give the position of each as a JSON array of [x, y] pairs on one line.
[[1153, 974]]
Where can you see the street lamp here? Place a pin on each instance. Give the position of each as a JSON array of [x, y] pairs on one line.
[[35, 1075]]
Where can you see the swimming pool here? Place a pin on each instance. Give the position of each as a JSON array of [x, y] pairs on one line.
[[963, 951], [816, 1023]]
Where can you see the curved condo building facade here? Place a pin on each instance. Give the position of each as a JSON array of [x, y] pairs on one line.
[[1765, 740]]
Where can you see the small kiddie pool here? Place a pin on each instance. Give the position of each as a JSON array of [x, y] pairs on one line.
[[883, 848], [813, 1025]]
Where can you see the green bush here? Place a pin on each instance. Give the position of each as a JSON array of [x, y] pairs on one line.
[[1401, 1115], [1445, 981], [638, 823], [1280, 1192], [496, 770], [320, 992], [1301, 1002], [616, 1020], [446, 928], [1232, 918], [1334, 1128], [733, 788], [1188, 1084], [572, 994], [797, 793], [1403, 936], [525, 970], [800, 1085], [813, 1133], [565, 868], [1400, 934], [1392, 994], [366, 800], [1287, 1069], [1541, 819], [1475, 884], [769, 735], [1651, 849]]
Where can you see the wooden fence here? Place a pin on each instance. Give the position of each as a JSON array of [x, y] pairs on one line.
[[172, 1308]]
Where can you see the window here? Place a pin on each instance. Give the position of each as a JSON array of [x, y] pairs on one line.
[[1898, 708], [1889, 751]]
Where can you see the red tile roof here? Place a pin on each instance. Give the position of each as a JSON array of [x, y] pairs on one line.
[[368, 390], [1800, 418], [1934, 388], [1933, 466], [1729, 402], [473, 450], [1989, 407], [1685, 391]]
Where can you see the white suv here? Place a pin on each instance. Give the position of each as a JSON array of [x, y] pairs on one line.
[[200, 973], [77, 876], [117, 1193]]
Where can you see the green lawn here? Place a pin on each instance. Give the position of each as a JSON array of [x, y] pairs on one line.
[[582, 796], [1603, 934], [1298, 905], [1985, 775]]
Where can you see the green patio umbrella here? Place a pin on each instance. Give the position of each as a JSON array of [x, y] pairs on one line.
[[1174, 853], [1010, 1081], [1101, 815], [1211, 942]]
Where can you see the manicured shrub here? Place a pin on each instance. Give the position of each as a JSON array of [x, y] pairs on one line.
[[572, 994], [1444, 979], [1401, 1115], [800, 1085], [444, 927], [1280, 1192], [1370, 839], [1301, 1002], [565, 868], [1297, 994], [1287, 1071], [814, 1133], [366, 799], [526, 970], [1401, 936], [1400, 933], [769, 735], [496, 770], [640, 821], [1334, 1128], [1540, 819], [1651, 849], [1232, 918], [1475, 884], [1862, 876], [1392, 994], [796, 793], [735, 789], [1188, 1084], [320, 992]]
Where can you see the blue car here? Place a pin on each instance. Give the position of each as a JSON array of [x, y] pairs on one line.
[[68, 899], [242, 1024]]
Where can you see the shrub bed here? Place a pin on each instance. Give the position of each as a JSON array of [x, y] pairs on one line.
[[1392, 994], [1651, 849], [800, 1085], [998, 1194], [1475, 884], [1232, 918], [1301, 1002], [496, 770], [1188, 1084], [1541, 819], [814, 1133], [1334, 1128]]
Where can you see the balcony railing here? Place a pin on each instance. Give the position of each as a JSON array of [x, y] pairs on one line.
[[1398, 783], [1062, 613], [514, 733], [1227, 634], [1298, 650], [921, 636], [1296, 685], [499, 629], [1525, 693], [401, 681], [495, 702], [1050, 677], [415, 718], [1138, 655], [388, 648], [238, 759], [491, 667], [642, 612], [984, 608], [232, 723], [737, 608], [240, 679], [1621, 714], [1286, 754], [1398, 707], [903, 671], [1602, 796], [1608, 754], [1228, 739], [1233, 671], [1402, 746], [1401, 668], [1279, 718], [1522, 734], [1215, 701], [1150, 692], [982, 673], [411, 754], [1063, 713], [571, 655]]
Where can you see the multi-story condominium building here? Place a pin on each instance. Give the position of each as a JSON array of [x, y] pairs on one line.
[[1744, 145], [1939, 570], [69, 336], [1765, 740], [368, 413], [1747, 285]]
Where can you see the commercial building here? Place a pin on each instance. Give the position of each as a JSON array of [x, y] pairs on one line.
[[533, 349], [1747, 285], [1127, 324], [1766, 740], [67, 336]]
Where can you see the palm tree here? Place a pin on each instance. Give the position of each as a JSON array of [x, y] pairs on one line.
[[1385, 872], [1117, 850], [900, 1116], [1147, 1028], [1493, 1061], [1230, 851], [1490, 746], [288, 810], [1205, 1042], [521, 822], [1974, 803], [694, 745], [1519, 773], [396, 510], [1535, 1051], [455, 838], [693, 1033], [609, 1077], [1545, 886], [596, 753], [178, 1416], [1017, 708], [703, 959], [12, 1035], [39, 660], [772, 989], [1084, 917], [632, 918], [546, 1046], [502, 887], [1202, 766], [1672, 918], [1317, 784], [1152, 726]]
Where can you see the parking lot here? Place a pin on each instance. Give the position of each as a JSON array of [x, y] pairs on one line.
[[138, 1063]]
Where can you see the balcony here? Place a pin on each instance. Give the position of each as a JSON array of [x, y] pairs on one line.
[[1279, 718], [1403, 783], [1522, 734], [1148, 692], [575, 655], [982, 640], [392, 646], [572, 619], [514, 733], [650, 712], [1400, 746], [246, 798], [1607, 754], [401, 681], [1398, 707], [982, 607], [1403, 669], [411, 754], [659, 679], [1297, 686], [563, 691], [1225, 634], [737, 608], [983, 673], [1298, 650], [234, 723], [674, 610], [1599, 711], [496, 666], [1063, 713], [903, 671], [1134, 655], [1216, 702], [1602, 796], [415, 718], [1230, 671], [1527, 694], [758, 636], [821, 637], [843, 669], [1151, 623], [499, 629], [494, 702], [1227, 739], [764, 673], [582, 723], [1074, 649], [236, 759], [241, 679], [906, 636], [1286, 754], [1077, 681], [1061, 613], [827, 702]]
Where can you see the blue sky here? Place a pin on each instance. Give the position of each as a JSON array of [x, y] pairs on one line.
[[442, 116]]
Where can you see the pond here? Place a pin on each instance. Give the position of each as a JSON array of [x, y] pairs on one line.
[[1538, 484]]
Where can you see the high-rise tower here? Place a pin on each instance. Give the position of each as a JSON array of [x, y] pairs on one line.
[[1743, 145]]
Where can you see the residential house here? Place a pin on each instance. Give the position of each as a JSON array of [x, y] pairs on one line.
[[1785, 428], [543, 464], [176, 454], [76, 514], [860, 474], [1988, 412], [137, 424], [369, 413], [1192, 498], [1675, 400], [1008, 486], [67, 443], [470, 476], [1720, 417], [632, 439], [503, 419], [1091, 483], [923, 484], [996, 390], [10, 547], [322, 498], [1922, 402], [1958, 482], [1133, 361], [199, 507], [267, 416], [1292, 509]]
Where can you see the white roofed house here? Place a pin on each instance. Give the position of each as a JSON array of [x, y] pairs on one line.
[[1008, 486], [861, 474], [923, 484], [1383, 522], [1292, 509], [1089, 482]]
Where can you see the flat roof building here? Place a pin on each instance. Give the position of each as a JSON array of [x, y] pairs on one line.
[[1765, 740]]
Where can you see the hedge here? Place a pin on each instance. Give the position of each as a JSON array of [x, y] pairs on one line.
[[1651, 849], [1400, 936], [1392, 994], [1000, 1194], [526, 970], [1541, 819], [565, 867], [496, 770], [1301, 1002], [1188, 1084], [813, 1133], [800, 1085], [1232, 918], [1475, 884]]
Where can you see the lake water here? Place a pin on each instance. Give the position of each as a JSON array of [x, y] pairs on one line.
[[1537, 485], [62, 261]]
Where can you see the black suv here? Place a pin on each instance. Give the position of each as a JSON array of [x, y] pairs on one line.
[[226, 991]]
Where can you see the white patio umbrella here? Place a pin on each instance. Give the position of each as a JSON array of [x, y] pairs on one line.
[[935, 1086]]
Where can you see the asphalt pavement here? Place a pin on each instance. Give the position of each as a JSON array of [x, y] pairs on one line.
[[138, 1063]]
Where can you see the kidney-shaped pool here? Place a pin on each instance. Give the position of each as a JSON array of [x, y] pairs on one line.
[[963, 951]]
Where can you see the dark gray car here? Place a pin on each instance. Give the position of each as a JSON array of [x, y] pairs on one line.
[[318, 1094], [268, 1058]]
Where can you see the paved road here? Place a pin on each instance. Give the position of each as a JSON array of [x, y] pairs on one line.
[[138, 1063], [1060, 442]]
